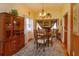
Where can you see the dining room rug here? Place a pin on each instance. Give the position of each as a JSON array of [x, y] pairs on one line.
[[30, 50]]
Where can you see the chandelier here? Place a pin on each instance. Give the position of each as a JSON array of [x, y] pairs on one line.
[[43, 14]]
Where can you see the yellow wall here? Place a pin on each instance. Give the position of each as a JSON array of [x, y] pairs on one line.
[[23, 10], [4, 7], [65, 10]]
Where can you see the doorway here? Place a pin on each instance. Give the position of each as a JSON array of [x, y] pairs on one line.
[[65, 29]]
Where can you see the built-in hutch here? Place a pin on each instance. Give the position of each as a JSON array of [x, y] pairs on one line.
[[11, 33]]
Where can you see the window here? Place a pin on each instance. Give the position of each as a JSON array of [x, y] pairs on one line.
[[28, 24], [54, 26]]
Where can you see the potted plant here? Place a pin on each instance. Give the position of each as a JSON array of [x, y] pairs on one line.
[[14, 12]]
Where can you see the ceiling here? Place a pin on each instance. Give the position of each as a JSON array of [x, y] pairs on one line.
[[55, 9], [49, 7]]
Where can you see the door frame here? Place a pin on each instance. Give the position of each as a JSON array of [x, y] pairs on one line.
[[71, 29], [66, 30]]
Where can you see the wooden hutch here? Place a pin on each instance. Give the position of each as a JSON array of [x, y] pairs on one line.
[[11, 34]]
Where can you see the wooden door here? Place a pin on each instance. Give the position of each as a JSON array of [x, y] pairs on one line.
[[65, 29], [74, 43]]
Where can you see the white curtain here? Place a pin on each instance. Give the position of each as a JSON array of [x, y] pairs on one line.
[[54, 26], [38, 26]]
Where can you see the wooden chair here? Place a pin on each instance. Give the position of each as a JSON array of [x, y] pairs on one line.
[[49, 38], [40, 40]]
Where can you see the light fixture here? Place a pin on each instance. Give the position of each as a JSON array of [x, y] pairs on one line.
[[42, 14]]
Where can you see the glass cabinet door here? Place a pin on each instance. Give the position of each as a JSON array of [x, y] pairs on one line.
[[8, 26], [16, 26]]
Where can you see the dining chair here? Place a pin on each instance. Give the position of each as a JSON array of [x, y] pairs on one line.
[[40, 40]]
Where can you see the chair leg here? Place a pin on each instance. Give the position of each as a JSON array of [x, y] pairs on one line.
[[37, 46], [44, 47]]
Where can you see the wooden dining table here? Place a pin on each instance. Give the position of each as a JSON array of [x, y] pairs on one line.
[[42, 39]]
